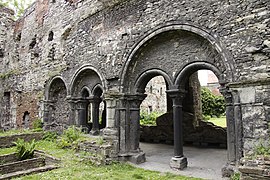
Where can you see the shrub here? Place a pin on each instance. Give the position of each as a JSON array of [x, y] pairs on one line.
[[212, 105], [37, 124], [50, 136], [25, 150], [70, 136], [149, 119]]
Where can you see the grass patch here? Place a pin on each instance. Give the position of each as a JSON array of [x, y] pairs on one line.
[[221, 121], [16, 132], [74, 167]]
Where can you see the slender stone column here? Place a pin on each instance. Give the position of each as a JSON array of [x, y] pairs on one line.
[[95, 114], [230, 125], [46, 113], [238, 127], [82, 112], [135, 102], [179, 161], [72, 110]]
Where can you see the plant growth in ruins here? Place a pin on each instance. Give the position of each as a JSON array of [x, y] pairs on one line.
[[25, 150], [262, 149], [149, 119], [37, 125], [212, 105], [70, 137]]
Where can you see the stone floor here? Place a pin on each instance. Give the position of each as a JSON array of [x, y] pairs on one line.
[[204, 163]]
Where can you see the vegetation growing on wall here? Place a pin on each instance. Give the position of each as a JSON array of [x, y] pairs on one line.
[[212, 105], [18, 6]]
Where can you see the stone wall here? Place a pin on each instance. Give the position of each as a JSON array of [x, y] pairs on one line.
[[125, 40]]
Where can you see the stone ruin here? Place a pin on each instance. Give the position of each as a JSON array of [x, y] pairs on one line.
[[63, 58]]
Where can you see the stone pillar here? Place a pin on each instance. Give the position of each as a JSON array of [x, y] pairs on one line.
[[82, 108], [134, 108], [111, 101], [230, 125], [238, 127], [179, 161], [72, 111], [46, 114], [95, 114]]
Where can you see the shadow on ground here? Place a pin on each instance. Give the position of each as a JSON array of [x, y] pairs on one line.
[[204, 163]]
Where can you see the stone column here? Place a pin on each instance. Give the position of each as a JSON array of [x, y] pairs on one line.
[[95, 114], [46, 114], [238, 126], [72, 111], [230, 125], [111, 100], [134, 103], [82, 107], [179, 161]]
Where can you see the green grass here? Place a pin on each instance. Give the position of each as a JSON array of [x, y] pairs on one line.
[[15, 131], [221, 121], [73, 166]]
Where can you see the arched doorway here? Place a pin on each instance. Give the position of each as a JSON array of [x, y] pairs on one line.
[[173, 50]]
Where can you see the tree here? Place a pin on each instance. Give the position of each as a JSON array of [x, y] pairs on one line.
[[17, 5]]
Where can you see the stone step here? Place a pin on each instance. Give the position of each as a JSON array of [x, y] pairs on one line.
[[29, 171]]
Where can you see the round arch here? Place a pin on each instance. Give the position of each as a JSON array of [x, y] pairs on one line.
[[145, 77], [225, 57], [83, 69], [191, 68], [97, 90], [49, 84]]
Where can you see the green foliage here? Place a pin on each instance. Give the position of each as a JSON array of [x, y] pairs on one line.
[[212, 105], [70, 137], [25, 150], [262, 149], [149, 119], [37, 124], [50, 136], [235, 176], [100, 141], [18, 6]]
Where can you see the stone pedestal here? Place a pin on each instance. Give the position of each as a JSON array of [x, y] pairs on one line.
[[178, 163]]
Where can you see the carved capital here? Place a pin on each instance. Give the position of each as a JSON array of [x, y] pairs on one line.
[[177, 96]]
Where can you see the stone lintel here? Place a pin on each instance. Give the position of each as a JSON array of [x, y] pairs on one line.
[[178, 163]]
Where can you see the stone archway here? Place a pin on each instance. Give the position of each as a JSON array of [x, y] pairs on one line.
[[86, 90], [171, 49], [56, 105]]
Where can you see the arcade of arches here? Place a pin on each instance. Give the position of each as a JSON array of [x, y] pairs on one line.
[[87, 63]]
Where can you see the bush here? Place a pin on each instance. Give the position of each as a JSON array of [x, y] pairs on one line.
[[212, 105], [70, 136], [25, 150], [50, 136], [37, 124], [149, 119]]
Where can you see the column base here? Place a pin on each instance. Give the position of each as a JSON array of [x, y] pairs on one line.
[[109, 133], [94, 132], [178, 163], [135, 158]]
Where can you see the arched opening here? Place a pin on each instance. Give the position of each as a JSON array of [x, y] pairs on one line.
[[56, 116], [87, 97], [178, 51], [26, 120], [85, 111]]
